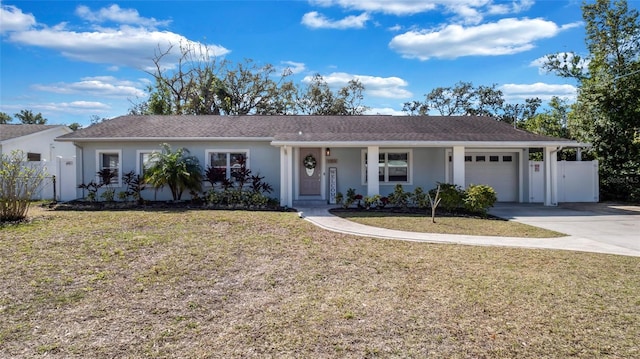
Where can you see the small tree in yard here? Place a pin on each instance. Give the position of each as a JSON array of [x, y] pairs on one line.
[[19, 181], [176, 169], [434, 202]]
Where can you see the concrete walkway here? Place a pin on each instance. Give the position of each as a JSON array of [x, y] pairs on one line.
[[599, 241]]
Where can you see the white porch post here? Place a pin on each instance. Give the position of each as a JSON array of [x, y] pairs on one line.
[[373, 181], [458, 166], [550, 177], [286, 181]]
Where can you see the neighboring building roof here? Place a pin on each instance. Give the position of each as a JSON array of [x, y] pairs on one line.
[[11, 131], [283, 130]]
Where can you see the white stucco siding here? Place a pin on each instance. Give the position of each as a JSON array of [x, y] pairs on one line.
[[428, 168]]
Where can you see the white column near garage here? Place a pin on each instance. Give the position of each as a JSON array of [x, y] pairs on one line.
[[550, 176], [286, 179], [458, 166], [373, 181]]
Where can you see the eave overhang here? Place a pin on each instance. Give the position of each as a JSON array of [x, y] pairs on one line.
[[468, 144]]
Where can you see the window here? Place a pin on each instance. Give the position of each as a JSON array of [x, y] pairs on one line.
[[228, 162], [35, 157], [144, 161], [468, 158], [507, 158], [393, 166], [109, 160], [480, 158], [494, 158]]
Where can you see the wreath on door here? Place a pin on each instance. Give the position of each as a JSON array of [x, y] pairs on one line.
[[309, 162]]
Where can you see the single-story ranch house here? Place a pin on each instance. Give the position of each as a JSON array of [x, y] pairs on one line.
[[311, 158]]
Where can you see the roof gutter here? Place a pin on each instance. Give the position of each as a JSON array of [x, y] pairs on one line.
[[468, 144], [161, 139]]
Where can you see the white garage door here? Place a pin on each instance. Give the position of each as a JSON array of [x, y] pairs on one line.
[[498, 170]]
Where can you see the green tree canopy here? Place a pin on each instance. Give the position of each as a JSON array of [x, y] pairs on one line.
[[200, 85], [27, 117], [5, 118], [607, 110]]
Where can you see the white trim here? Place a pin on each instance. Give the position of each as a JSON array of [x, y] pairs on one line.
[[163, 139], [363, 174], [286, 186], [520, 157], [468, 144], [99, 167], [373, 184]]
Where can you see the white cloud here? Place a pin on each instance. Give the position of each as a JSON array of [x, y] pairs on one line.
[[396, 7], [504, 37], [13, 19], [508, 8], [104, 86], [75, 108], [515, 92], [384, 87], [384, 111], [122, 45], [316, 20], [294, 67], [470, 11], [126, 46], [118, 15]]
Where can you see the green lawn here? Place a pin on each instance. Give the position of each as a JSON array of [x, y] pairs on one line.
[[197, 284], [415, 222]]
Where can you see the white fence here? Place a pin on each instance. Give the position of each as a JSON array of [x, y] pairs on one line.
[[577, 181], [64, 186]]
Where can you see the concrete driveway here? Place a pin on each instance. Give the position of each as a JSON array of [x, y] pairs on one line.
[[603, 224], [593, 227]]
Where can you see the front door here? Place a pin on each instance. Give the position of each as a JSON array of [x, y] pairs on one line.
[[310, 170]]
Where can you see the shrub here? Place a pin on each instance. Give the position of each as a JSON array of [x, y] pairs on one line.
[[451, 195], [399, 198], [19, 181], [351, 197], [135, 186], [108, 195], [92, 188], [176, 169], [479, 198], [419, 198], [339, 198], [371, 201]]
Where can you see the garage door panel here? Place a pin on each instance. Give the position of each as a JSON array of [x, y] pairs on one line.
[[495, 170]]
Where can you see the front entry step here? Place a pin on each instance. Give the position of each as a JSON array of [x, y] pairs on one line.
[[310, 203]]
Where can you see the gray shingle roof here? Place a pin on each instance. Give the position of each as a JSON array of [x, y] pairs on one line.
[[308, 129], [10, 131]]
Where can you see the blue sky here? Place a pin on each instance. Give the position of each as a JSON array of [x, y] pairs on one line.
[[71, 60]]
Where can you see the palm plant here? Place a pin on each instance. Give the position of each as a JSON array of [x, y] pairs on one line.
[[176, 169]]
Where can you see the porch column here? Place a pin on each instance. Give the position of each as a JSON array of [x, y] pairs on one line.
[[550, 176], [458, 166], [286, 181], [373, 181]]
